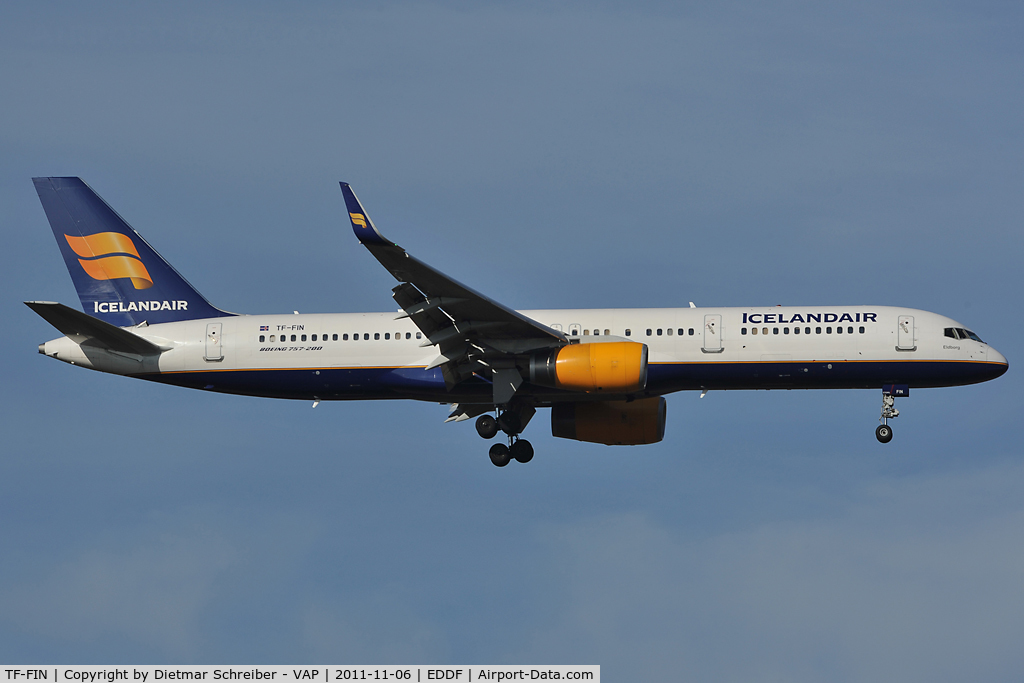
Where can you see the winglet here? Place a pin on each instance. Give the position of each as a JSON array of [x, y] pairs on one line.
[[366, 232]]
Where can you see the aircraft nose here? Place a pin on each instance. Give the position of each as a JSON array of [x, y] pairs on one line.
[[997, 362]]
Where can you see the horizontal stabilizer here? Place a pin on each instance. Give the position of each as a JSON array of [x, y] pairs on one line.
[[80, 327]]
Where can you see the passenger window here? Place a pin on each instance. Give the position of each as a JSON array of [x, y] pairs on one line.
[[419, 335], [785, 330], [753, 330], [293, 337], [344, 337], [376, 336], [607, 332], [669, 331], [849, 330], [659, 331], [648, 332], [387, 335], [314, 337], [261, 338], [817, 330], [408, 335], [273, 338], [764, 330], [366, 336], [336, 337], [303, 337], [586, 333], [807, 330], [680, 332], [775, 330], [862, 329], [828, 330], [628, 331], [743, 330], [796, 330], [691, 331], [839, 330]]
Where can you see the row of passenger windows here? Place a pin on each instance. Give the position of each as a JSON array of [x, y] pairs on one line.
[[335, 337], [597, 332], [629, 332], [807, 330], [754, 330]]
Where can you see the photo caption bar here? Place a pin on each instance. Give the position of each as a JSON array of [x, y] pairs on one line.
[[301, 674]]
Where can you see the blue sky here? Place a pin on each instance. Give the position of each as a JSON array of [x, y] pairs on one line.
[[551, 155]]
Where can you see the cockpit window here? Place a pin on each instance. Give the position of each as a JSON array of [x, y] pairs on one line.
[[961, 333], [969, 335]]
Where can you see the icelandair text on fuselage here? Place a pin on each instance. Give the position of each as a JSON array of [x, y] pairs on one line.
[[768, 318], [119, 307]]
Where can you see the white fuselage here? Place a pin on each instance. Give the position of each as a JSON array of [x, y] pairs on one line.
[[375, 355]]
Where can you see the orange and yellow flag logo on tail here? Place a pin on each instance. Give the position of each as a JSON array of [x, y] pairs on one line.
[[110, 256], [358, 219]]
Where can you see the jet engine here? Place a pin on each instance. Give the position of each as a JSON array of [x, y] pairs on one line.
[[615, 423], [615, 367]]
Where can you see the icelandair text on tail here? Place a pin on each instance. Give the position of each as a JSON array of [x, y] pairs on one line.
[[304, 674]]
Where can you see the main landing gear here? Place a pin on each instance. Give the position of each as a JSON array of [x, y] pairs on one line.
[[884, 431], [512, 420]]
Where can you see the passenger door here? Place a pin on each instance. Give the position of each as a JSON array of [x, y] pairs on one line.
[[905, 334], [213, 345], [712, 334]]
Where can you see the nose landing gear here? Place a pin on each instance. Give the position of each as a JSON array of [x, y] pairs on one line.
[[512, 420], [884, 431]]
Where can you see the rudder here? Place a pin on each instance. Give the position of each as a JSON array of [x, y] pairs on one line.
[[120, 279]]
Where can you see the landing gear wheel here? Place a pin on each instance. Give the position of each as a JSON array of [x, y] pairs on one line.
[[884, 433], [499, 454], [510, 423], [486, 426], [522, 451]]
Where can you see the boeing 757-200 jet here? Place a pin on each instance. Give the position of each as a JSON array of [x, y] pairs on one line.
[[604, 373]]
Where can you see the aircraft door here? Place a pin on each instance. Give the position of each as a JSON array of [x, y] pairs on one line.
[[712, 334], [905, 334], [213, 345]]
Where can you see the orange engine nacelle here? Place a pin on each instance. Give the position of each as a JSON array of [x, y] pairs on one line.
[[615, 367], [615, 423]]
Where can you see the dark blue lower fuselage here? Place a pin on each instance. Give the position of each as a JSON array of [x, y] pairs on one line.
[[338, 384]]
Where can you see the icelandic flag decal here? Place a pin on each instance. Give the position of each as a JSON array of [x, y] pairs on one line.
[[264, 328]]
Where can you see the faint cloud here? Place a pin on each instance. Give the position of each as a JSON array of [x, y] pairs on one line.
[[931, 593], [152, 594]]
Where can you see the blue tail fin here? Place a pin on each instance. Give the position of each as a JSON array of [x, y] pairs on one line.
[[120, 278]]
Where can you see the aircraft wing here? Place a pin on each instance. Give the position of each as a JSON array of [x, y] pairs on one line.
[[474, 333]]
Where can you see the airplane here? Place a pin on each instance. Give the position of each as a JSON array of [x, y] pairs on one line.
[[603, 373]]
